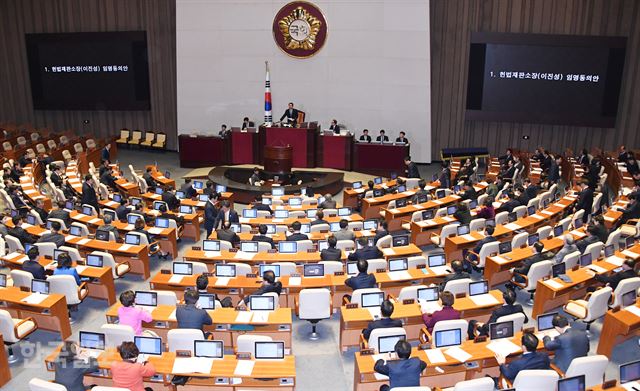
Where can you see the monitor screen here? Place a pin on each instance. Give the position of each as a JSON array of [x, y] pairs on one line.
[[277, 191], [531, 239], [180, 195], [56, 254], [146, 298], [203, 197], [132, 239], [207, 301], [402, 188], [159, 190], [577, 223], [441, 194], [545, 321], [167, 175], [388, 343], [609, 251], [451, 210], [629, 241], [313, 270], [225, 270], [211, 245], [558, 269], [436, 260], [352, 268], [504, 247], [334, 227], [295, 201], [448, 338], [68, 205], [356, 185], [183, 268], [94, 260], [429, 294], [266, 267], [398, 264], [585, 259], [400, 240], [262, 303], [209, 349], [463, 230], [473, 204], [575, 383], [266, 201], [531, 210], [149, 345], [630, 372], [221, 189], [501, 330], [478, 288], [157, 205], [373, 299], [3, 280], [344, 211], [323, 245], [31, 219], [249, 213], [87, 210], [75, 230], [249, 247], [162, 222], [427, 214], [89, 340], [281, 214], [185, 209], [629, 298], [101, 235], [401, 203], [305, 228], [198, 185], [110, 213], [288, 247], [269, 350], [377, 180], [235, 227], [378, 192], [271, 229], [311, 213], [135, 201], [132, 218], [40, 286], [558, 230], [370, 224]]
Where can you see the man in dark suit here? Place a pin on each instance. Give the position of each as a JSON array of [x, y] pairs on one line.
[[296, 235], [365, 138], [246, 124], [105, 175], [412, 168], [188, 189], [570, 344], [585, 200], [363, 279], [170, 216], [334, 126], [421, 195], [291, 114], [149, 178], [614, 278], [458, 274], [488, 238], [39, 209], [262, 237], [531, 359], [319, 219], [258, 205], [208, 188], [54, 236], [382, 138], [530, 190], [445, 176], [169, 196], [56, 176], [32, 266], [601, 230], [105, 154], [524, 268], [367, 252], [632, 210], [386, 310], [381, 232], [468, 192], [17, 199], [508, 308], [124, 209], [404, 372], [402, 139], [463, 214], [510, 204], [189, 316], [89, 196], [226, 233], [592, 237], [554, 170], [107, 227], [210, 214], [226, 214], [18, 232], [61, 214], [269, 284], [331, 253]]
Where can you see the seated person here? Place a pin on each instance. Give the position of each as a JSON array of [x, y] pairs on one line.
[[166, 215], [331, 253], [124, 209], [169, 197], [39, 209], [531, 359], [61, 214], [401, 138], [130, 315], [567, 248], [269, 284], [255, 180], [525, 266], [296, 235], [54, 236], [65, 267], [334, 126], [70, 367], [381, 232], [258, 205], [412, 169], [487, 211], [468, 192], [488, 238], [148, 178], [328, 203], [404, 372], [367, 252], [246, 124], [223, 131], [508, 308], [592, 237], [510, 204], [32, 265], [107, 227], [365, 136], [226, 233], [446, 313], [129, 373], [189, 316], [262, 236], [20, 233], [319, 219], [571, 343], [458, 273], [386, 310], [382, 138], [601, 230], [421, 194], [614, 279], [344, 233], [363, 279], [462, 214]]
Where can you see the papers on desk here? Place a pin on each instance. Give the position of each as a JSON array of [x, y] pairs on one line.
[[429, 307], [244, 368], [549, 213], [45, 232], [129, 227], [95, 221], [81, 268], [631, 386], [260, 316], [558, 205], [222, 281], [437, 202], [81, 216], [499, 260], [417, 206], [277, 220], [512, 226], [244, 220], [399, 275], [538, 217], [484, 300], [614, 260], [610, 219], [408, 193], [448, 218], [155, 230], [435, 356], [458, 354], [630, 254], [388, 252], [597, 269], [124, 247], [211, 254], [192, 365], [394, 210], [30, 191], [468, 237], [554, 284], [244, 255], [634, 309], [295, 281], [348, 218], [20, 257], [243, 317], [441, 270], [83, 241], [503, 346], [367, 233], [361, 190], [34, 298], [578, 234], [175, 279]]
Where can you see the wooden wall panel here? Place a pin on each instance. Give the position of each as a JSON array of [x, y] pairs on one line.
[[157, 17], [452, 22]]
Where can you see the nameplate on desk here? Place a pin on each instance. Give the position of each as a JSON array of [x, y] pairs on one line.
[[272, 251], [233, 250], [311, 250], [196, 248], [350, 306], [609, 384], [408, 301], [165, 271], [461, 295], [243, 356], [338, 273], [480, 339], [366, 352], [251, 275]]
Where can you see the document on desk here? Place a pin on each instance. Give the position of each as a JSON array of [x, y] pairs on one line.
[[175, 279], [468, 237], [435, 356], [244, 317], [244, 220], [457, 353], [81, 216], [35, 298], [631, 386], [295, 281], [260, 316], [124, 247], [16, 257], [399, 275], [538, 217], [192, 365], [512, 226], [578, 234], [503, 346], [84, 241], [597, 269], [499, 260], [549, 213], [614, 260], [95, 221], [244, 368], [630, 254], [408, 192], [437, 202], [448, 218], [554, 284], [211, 254], [155, 230], [244, 255], [222, 281], [277, 220], [388, 252], [394, 210], [81, 268], [484, 300], [417, 206], [634, 309]]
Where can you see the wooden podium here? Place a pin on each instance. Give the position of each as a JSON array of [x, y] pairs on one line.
[[302, 140], [278, 159]]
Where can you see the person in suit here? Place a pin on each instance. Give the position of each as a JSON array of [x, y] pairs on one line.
[[344, 233], [226, 233], [17, 199], [188, 189], [56, 175], [226, 214], [246, 124], [530, 359], [367, 252], [585, 200], [524, 268], [487, 211], [568, 247], [623, 154], [365, 136], [381, 232], [334, 126], [89, 196], [458, 273], [262, 236], [404, 372], [445, 176], [16, 172], [570, 344], [148, 178], [492, 188], [468, 192], [319, 219], [296, 235], [71, 365], [169, 196], [224, 132], [210, 213], [291, 115], [601, 230], [554, 170], [508, 308], [32, 265], [462, 214], [446, 313], [488, 238], [530, 190], [632, 210], [382, 138], [402, 139], [255, 180], [54, 236], [363, 279], [189, 316], [60, 213], [124, 209], [19, 233], [614, 279], [208, 188], [511, 203], [331, 253], [105, 154], [328, 203], [421, 195], [106, 177], [412, 168], [591, 238], [269, 284], [585, 158], [108, 227], [386, 310], [39, 209], [170, 216]]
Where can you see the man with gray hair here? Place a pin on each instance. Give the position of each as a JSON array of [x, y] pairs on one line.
[[108, 227], [568, 247], [328, 203]]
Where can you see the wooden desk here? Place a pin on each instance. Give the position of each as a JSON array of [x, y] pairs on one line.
[[51, 314], [202, 151], [354, 320], [367, 158], [302, 140], [279, 237], [254, 222], [616, 328], [334, 151], [5, 371], [160, 178], [350, 195], [266, 374]]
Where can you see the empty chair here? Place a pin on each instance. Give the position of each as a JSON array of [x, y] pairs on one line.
[[591, 308], [441, 212], [594, 249], [21, 278], [614, 239], [519, 240], [51, 144], [14, 330], [64, 139], [624, 286], [345, 244], [149, 138], [182, 339], [356, 225], [34, 136], [78, 147], [22, 141], [124, 136], [330, 267], [117, 269], [41, 148], [313, 305], [242, 269], [287, 268], [502, 218], [534, 202], [592, 367], [520, 211], [571, 260], [536, 380], [415, 261], [13, 243], [63, 226], [246, 343], [330, 212], [375, 264], [487, 250], [161, 141], [136, 137], [445, 232], [91, 143], [544, 232], [199, 268], [536, 273], [577, 216], [93, 210], [458, 286], [304, 245], [84, 230], [518, 319], [153, 247], [384, 242], [7, 146], [36, 384], [46, 249], [116, 334], [66, 285], [319, 228], [477, 224], [479, 384], [167, 298], [378, 333], [356, 297]]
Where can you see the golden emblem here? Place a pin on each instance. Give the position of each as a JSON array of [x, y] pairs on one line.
[[300, 29]]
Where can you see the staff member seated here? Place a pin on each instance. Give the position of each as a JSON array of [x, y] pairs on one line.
[[331, 253], [382, 138], [508, 308], [70, 366], [367, 252], [54, 236], [128, 373], [334, 126], [570, 344], [404, 372], [269, 284], [458, 274], [296, 235], [262, 237], [65, 267], [386, 310], [363, 279], [130, 315], [32, 265], [446, 313], [344, 233], [402, 139], [226, 233], [530, 359], [365, 136], [189, 316], [319, 219]]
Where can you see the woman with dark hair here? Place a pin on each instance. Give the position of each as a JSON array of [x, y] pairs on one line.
[[139, 227], [65, 267], [128, 373], [70, 367], [130, 315]]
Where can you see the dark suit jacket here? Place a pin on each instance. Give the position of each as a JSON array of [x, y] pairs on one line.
[[264, 238], [22, 235], [275, 287], [380, 138], [52, 237], [335, 128], [318, 221], [486, 239], [445, 179], [463, 216], [554, 172], [361, 281], [89, 196], [585, 202], [62, 215], [368, 252], [506, 310], [71, 375], [402, 373], [380, 324], [402, 140], [380, 235], [191, 317], [365, 138], [293, 114], [412, 171], [55, 179], [533, 360], [36, 269], [453, 276], [261, 206], [210, 215], [470, 194], [614, 279], [233, 217], [172, 201], [510, 205], [527, 263], [331, 254], [149, 179], [297, 236], [122, 211], [632, 211], [567, 346], [583, 243], [17, 201], [228, 235]]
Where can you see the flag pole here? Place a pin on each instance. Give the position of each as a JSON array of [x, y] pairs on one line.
[[268, 117]]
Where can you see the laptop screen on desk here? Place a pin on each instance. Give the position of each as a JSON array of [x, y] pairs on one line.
[[436, 260], [558, 230], [373, 299], [531, 239], [223, 270], [377, 180], [249, 247], [221, 189], [630, 372], [207, 301], [281, 214], [203, 197], [585, 259], [398, 264], [501, 330], [146, 298], [311, 213], [94, 260], [545, 321], [249, 213], [274, 268], [271, 229], [180, 195], [295, 201], [206, 348], [575, 383], [313, 270], [323, 245], [428, 294], [558, 269], [185, 209], [370, 224], [288, 247], [344, 211], [277, 191], [132, 218], [262, 303], [269, 350], [149, 345], [463, 230], [89, 340], [334, 227], [162, 222], [352, 268], [400, 240], [132, 239], [211, 245], [356, 185], [3, 280], [388, 343], [183, 268], [478, 288], [40, 286], [448, 338], [504, 247]]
